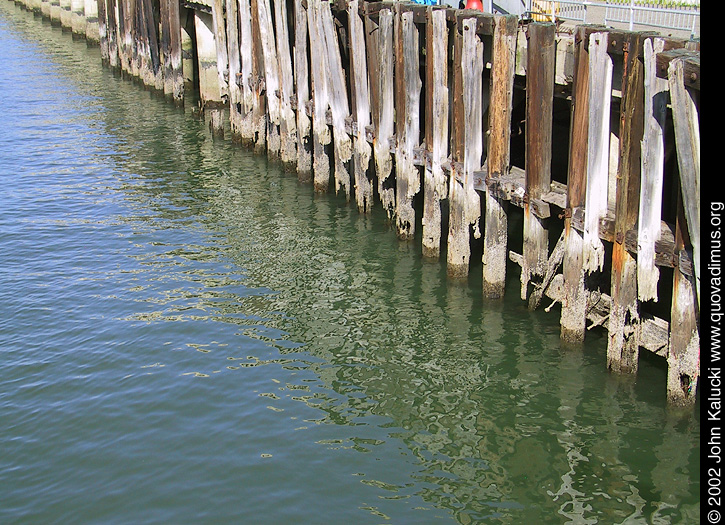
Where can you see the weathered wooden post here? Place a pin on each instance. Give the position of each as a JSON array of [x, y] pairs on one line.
[[495, 252], [683, 358], [624, 316], [683, 355], [253, 123], [436, 130], [687, 137], [271, 75], [597, 166], [78, 18], [65, 13], [467, 146], [380, 58], [220, 45], [574, 304], [235, 65], [339, 107], [362, 153], [171, 51], [287, 117], [653, 168], [321, 135], [541, 55], [407, 120], [102, 6], [90, 11], [212, 92], [302, 94]]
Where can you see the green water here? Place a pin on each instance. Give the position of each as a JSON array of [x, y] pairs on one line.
[[189, 335]]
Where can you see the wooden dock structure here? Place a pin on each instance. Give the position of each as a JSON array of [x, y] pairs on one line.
[[452, 120]]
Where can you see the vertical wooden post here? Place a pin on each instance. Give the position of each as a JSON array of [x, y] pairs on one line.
[[408, 87], [600, 97], [573, 309], [114, 34], [220, 43], [103, 30], [321, 135], [683, 356], [78, 17], [55, 11], [153, 76], [302, 92], [257, 79], [499, 145], [464, 202], [235, 66], [287, 117], [271, 77], [436, 129], [339, 107], [539, 115], [251, 129], [361, 104], [126, 33], [65, 13], [91, 14], [687, 137], [380, 44], [624, 319], [653, 166], [171, 50], [209, 88]]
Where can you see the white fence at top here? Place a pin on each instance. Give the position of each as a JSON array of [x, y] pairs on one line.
[[684, 17]]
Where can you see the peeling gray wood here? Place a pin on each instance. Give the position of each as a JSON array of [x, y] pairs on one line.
[[687, 137], [435, 185], [600, 97], [653, 168], [361, 101]]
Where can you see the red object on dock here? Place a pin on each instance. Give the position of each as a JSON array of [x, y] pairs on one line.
[[474, 4]]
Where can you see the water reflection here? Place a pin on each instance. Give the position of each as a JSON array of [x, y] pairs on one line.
[[442, 405]]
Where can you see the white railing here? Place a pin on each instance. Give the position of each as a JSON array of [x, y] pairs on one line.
[[640, 15]]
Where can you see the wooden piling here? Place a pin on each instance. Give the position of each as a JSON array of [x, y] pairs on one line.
[[171, 51], [408, 86], [380, 46], [495, 242], [683, 354], [302, 94], [234, 61], [271, 75], [252, 126], [435, 187], [287, 117], [539, 114], [78, 18], [338, 102], [321, 135], [653, 167], [624, 315], [574, 301], [464, 202], [362, 153], [91, 15]]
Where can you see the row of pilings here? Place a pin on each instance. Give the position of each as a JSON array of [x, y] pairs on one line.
[[453, 121]]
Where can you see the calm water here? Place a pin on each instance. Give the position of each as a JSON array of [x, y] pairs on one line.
[[188, 335]]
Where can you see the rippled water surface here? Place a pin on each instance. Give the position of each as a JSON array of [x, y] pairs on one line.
[[189, 335]]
